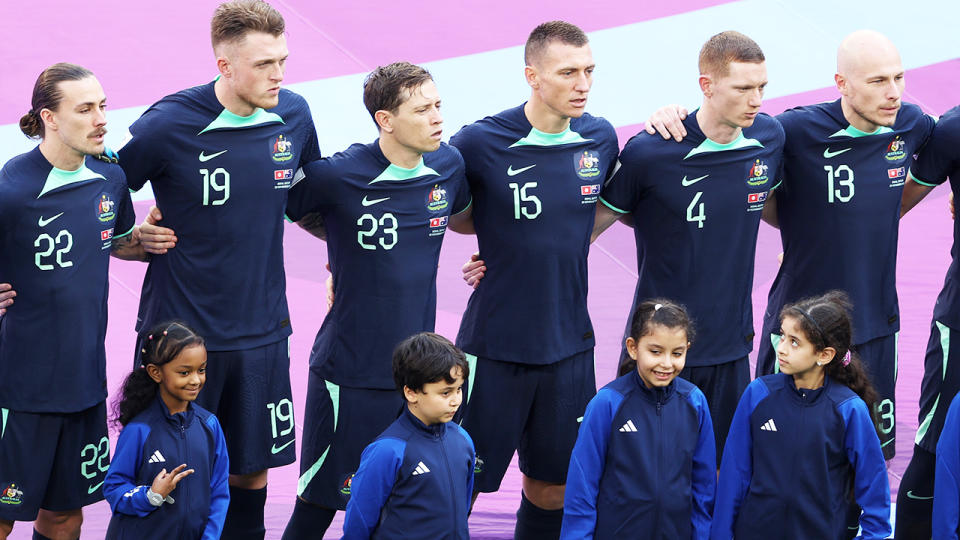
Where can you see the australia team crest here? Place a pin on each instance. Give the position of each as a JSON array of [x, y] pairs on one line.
[[896, 150], [281, 149], [587, 164], [757, 175], [105, 208], [11, 495], [437, 198]]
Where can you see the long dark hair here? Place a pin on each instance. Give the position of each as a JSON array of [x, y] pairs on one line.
[[158, 346], [826, 322], [661, 311], [47, 95]]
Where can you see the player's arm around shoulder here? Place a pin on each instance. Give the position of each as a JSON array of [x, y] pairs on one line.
[[372, 486], [461, 220], [310, 193]]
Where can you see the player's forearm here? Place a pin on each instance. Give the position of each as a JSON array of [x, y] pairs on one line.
[[313, 224], [604, 218], [129, 248], [913, 193], [462, 223]]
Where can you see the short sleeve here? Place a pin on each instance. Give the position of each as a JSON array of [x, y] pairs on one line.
[[142, 156], [939, 157]]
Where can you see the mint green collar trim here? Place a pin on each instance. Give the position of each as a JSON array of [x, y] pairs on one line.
[[712, 146], [228, 120], [851, 131], [59, 178], [540, 138], [394, 173]]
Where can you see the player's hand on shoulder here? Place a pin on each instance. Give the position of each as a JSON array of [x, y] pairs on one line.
[[165, 482], [329, 284], [473, 270], [108, 155], [668, 122], [7, 295], [156, 239]]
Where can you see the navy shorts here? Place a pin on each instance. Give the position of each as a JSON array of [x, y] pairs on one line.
[[534, 410], [879, 357], [941, 380], [249, 392], [722, 384], [54, 461], [340, 422]]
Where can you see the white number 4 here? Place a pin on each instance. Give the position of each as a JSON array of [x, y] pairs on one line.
[[700, 215]]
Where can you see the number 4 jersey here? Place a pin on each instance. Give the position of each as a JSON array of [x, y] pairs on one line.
[[384, 228], [697, 207], [221, 182], [839, 211], [56, 231], [534, 197]]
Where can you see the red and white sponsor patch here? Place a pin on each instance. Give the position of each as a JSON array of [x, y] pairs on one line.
[[590, 189], [106, 234], [757, 197], [438, 221], [283, 174], [896, 173]]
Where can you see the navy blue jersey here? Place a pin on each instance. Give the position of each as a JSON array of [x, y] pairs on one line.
[[697, 207], [789, 462], [221, 182], [384, 228], [156, 440], [534, 195], [839, 211], [414, 481], [938, 160], [56, 230], [644, 461]]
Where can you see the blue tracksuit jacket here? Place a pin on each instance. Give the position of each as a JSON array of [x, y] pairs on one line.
[[414, 481], [644, 464], [789, 460], [946, 493], [156, 440]]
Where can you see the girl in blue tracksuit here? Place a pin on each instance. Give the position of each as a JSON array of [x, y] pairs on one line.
[[946, 491], [168, 477], [803, 441], [644, 464]]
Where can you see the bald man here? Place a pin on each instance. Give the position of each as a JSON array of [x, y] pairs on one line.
[[838, 206]]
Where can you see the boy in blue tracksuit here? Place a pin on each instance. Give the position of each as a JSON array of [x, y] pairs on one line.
[[151, 490], [802, 440], [416, 479], [644, 463]]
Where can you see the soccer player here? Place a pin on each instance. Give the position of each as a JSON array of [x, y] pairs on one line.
[[383, 206], [221, 159], [535, 172], [697, 207], [937, 161], [62, 214], [838, 207]]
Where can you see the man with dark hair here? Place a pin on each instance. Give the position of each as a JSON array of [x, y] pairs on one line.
[[690, 200], [221, 158], [380, 206], [62, 214], [535, 172]]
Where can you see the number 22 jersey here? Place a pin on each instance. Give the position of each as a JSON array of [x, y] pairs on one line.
[[221, 182], [534, 197], [56, 234]]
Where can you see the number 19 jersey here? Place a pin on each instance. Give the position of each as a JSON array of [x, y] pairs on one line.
[[56, 233], [839, 212], [534, 197], [221, 182], [385, 225]]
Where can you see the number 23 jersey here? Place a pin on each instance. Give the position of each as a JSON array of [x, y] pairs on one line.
[[221, 182], [534, 197]]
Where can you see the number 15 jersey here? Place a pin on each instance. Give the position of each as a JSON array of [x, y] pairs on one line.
[[534, 197], [221, 182]]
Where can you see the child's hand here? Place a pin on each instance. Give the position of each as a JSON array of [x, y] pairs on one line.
[[165, 482]]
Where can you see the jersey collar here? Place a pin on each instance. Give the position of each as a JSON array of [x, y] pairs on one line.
[[58, 178]]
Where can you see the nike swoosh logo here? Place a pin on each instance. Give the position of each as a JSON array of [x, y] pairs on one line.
[[917, 497], [828, 154], [204, 157], [44, 222], [91, 489], [369, 202], [275, 450], [513, 172], [686, 182]]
